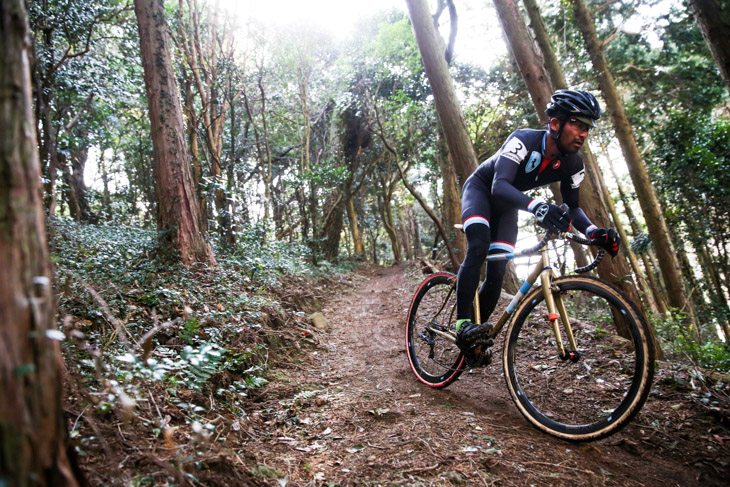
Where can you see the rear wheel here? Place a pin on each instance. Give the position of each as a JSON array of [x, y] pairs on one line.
[[435, 360], [602, 390]]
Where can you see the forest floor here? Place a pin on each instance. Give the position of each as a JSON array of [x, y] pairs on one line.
[[354, 413], [349, 411]]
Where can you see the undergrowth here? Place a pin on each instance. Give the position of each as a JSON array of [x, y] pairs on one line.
[[679, 342], [169, 350]]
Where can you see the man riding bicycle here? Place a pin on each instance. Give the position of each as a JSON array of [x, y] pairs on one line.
[[493, 194]]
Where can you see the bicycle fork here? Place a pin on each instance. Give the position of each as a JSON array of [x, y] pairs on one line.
[[557, 311]]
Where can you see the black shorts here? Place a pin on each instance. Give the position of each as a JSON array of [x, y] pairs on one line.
[[477, 206]]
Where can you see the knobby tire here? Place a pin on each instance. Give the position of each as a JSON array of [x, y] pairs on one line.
[[606, 387], [436, 361]]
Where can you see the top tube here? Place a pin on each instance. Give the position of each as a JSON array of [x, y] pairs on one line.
[[542, 243]]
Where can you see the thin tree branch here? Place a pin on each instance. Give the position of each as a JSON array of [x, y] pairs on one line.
[[98, 19], [381, 134]]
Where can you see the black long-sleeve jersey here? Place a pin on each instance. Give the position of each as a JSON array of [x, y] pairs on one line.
[[521, 165]]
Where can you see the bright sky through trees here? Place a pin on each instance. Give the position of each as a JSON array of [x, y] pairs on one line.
[[479, 38], [336, 16]]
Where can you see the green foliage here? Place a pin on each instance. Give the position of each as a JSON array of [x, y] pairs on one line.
[[190, 330], [114, 290], [679, 343], [670, 57], [691, 170], [641, 243]]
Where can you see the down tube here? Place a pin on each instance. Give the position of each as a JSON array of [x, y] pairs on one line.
[[534, 274]]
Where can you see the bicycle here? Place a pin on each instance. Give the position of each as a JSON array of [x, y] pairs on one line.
[[582, 390]]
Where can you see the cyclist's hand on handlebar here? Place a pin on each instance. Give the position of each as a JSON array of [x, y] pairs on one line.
[[607, 239], [550, 216]]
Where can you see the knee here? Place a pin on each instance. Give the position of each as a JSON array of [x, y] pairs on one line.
[[477, 245], [477, 251]]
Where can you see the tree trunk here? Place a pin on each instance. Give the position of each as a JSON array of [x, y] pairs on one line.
[[461, 149], [552, 65], [386, 213], [232, 230], [511, 283], [637, 170], [201, 44], [416, 233], [106, 198], [694, 293], [656, 289], [332, 228], [451, 208], [357, 243], [646, 291], [421, 200], [713, 18], [374, 246], [263, 150], [48, 147], [303, 80], [192, 135], [178, 214], [33, 436], [79, 156], [69, 192], [717, 293], [355, 137], [404, 234]]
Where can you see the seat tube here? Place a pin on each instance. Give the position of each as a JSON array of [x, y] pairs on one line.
[[477, 309], [552, 316]]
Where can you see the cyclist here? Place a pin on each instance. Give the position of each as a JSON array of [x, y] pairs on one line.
[[493, 194]]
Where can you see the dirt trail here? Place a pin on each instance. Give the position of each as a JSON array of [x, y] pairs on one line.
[[356, 415]]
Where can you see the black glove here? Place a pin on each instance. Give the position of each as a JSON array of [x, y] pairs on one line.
[[552, 217], [606, 239]]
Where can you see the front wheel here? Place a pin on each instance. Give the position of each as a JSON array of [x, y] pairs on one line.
[[606, 385], [434, 358]]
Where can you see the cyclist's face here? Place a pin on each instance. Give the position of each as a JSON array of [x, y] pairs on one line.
[[574, 134]]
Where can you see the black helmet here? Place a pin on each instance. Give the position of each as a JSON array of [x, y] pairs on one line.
[[575, 103]]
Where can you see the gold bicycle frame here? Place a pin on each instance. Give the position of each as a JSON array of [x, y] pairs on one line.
[[553, 300]]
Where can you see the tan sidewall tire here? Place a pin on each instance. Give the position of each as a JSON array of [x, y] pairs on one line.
[[590, 284]]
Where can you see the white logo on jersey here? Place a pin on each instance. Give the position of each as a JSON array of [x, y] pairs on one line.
[[514, 150], [577, 178]]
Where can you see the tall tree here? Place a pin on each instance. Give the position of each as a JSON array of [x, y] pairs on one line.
[[713, 17], [546, 47], [460, 146], [355, 138], [442, 231], [258, 116], [208, 47], [637, 170], [32, 426], [178, 222]]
